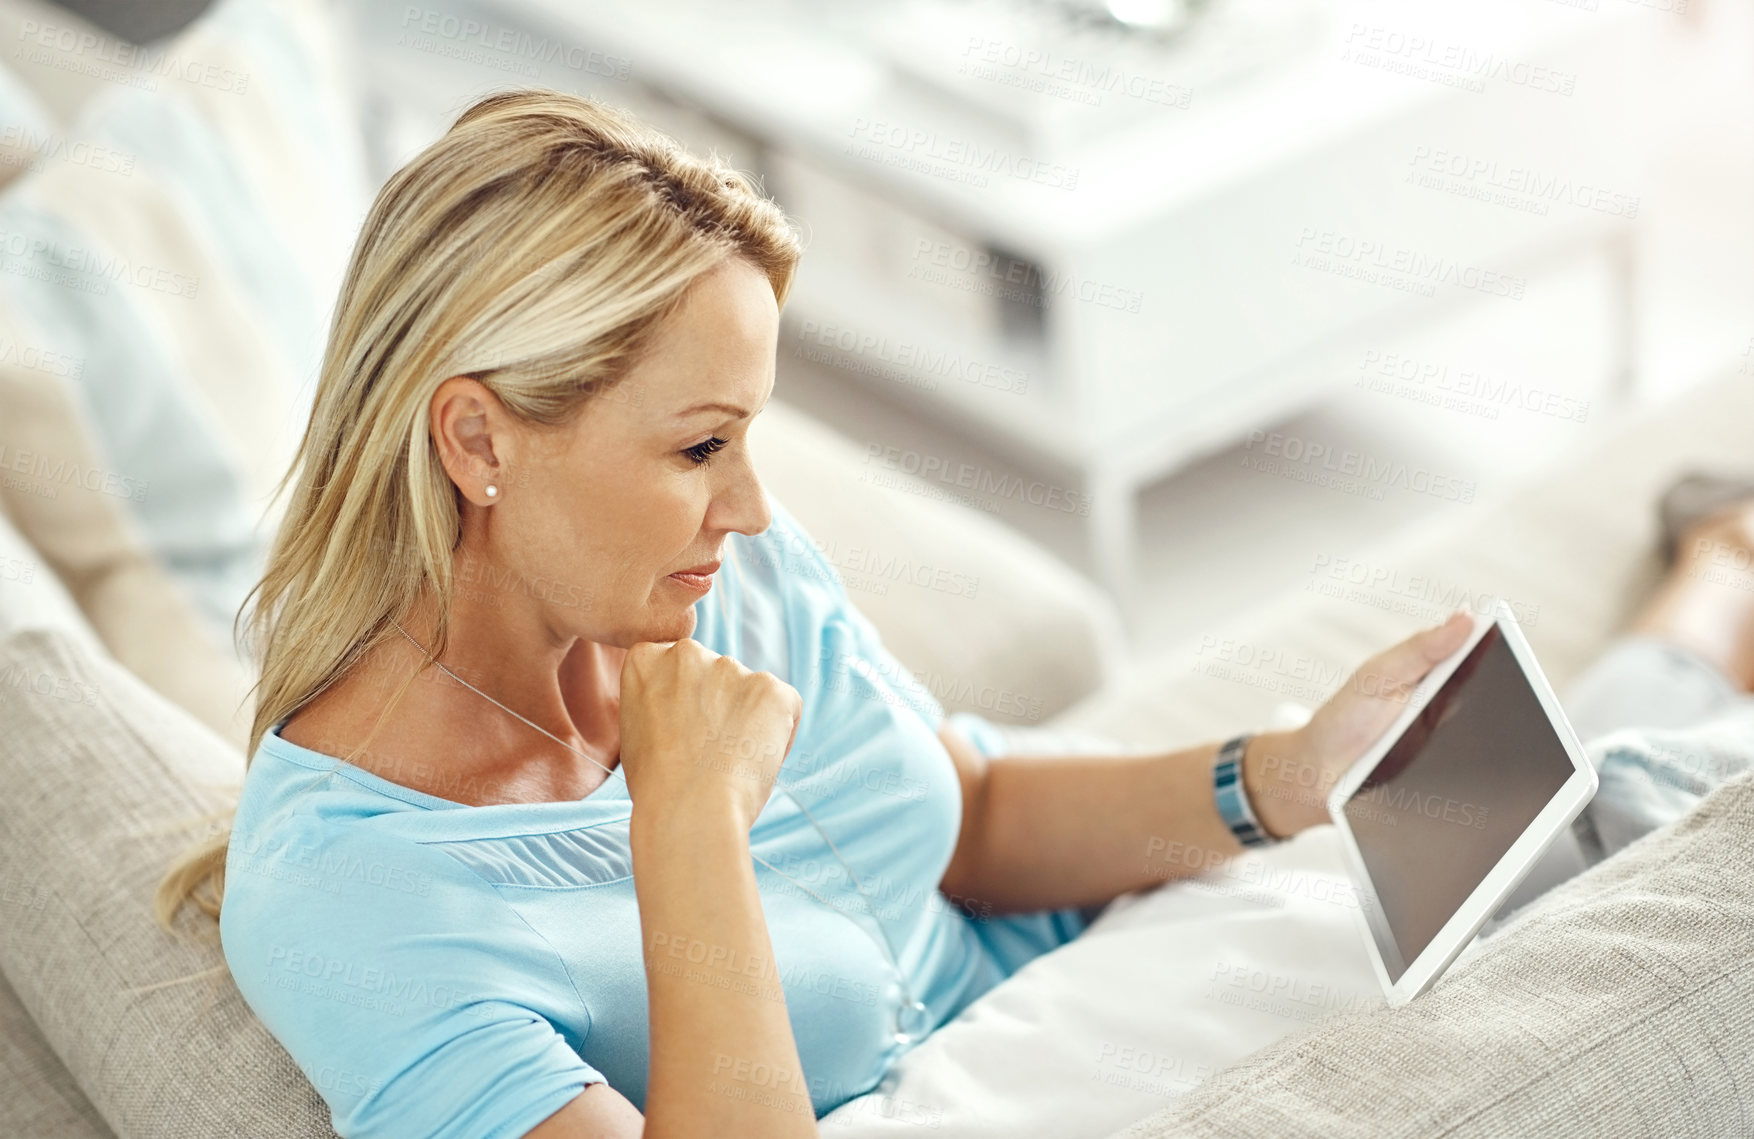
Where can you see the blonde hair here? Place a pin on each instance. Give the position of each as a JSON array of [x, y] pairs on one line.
[[537, 247]]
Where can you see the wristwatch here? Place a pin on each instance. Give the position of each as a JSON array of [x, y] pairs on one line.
[[1233, 801]]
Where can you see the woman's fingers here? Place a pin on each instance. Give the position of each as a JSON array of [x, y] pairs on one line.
[[1447, 637], [1409, 661]]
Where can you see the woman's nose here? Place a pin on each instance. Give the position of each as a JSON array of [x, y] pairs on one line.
[[744, 507]]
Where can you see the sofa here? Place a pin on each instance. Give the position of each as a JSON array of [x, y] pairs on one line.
[[1619, 1006]]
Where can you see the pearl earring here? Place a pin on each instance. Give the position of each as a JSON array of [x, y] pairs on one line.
[[492, 491]]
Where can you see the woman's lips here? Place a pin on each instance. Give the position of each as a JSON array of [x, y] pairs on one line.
[[698, 578], [700, 582]]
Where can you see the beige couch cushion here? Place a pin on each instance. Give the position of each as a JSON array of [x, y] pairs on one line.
[[38, 1096], [105, 781], [1622, 1004]]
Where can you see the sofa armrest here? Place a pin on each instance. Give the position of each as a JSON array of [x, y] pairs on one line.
[[989, 621], [1619, 1006]]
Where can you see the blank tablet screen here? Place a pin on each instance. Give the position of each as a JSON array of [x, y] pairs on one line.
[[1454, 793]]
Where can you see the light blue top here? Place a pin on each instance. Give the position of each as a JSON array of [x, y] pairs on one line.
[[438, 969]]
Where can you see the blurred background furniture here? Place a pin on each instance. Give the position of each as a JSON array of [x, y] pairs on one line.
[[1435, 246], [1020, 226]]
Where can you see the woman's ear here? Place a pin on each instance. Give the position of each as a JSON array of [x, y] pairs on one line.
[[468, 425]]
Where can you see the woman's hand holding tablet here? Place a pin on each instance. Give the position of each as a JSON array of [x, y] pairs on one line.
[[1290, 781], [1445, 814]]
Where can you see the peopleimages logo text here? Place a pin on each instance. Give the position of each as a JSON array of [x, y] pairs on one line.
[[1410, 264], [61, 472], [896, 140], [982, 481], [1017, 280], [1355, 464]]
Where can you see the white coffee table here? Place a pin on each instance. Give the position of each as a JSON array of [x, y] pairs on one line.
[[1106, 306]]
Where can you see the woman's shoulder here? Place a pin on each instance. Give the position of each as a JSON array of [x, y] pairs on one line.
[[302, 846], [315, 899], [298, 865], [314, 848], [369, 953], [783, 608], [790, 560]]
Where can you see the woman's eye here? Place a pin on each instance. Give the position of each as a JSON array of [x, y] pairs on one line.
[[701, 452]]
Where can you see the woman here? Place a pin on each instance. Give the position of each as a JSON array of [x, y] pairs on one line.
[[538, 658]]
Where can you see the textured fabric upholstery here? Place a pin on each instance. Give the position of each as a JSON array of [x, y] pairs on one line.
[[105, 782], [44, 1101], [1621, 1004]]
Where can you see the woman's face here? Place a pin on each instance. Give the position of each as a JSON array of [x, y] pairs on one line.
[[592, 520]]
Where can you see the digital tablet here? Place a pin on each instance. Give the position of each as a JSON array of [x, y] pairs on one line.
[[1474, 785]]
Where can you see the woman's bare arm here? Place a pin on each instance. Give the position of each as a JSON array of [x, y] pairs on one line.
[[701, 745], [1043, 832], [1046, 831], [723, 1060]]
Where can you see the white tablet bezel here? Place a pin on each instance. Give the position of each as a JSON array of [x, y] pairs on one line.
[[1567, 803]]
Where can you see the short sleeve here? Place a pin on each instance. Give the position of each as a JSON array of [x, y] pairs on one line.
[[414, 999], [986, 736], [1017, 939]]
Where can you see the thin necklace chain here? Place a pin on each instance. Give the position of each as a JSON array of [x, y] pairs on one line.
[[888, 950]]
